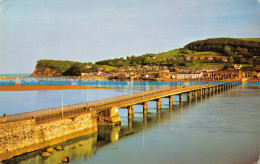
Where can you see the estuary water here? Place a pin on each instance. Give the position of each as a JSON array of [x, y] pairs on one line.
[[219, 129]]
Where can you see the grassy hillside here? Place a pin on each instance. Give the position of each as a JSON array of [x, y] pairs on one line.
[[179, 52], [251, 39], [208, 65]]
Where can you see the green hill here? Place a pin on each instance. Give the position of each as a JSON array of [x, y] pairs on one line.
[[244, 51], [251, 39], [179, 52], [247, 47]]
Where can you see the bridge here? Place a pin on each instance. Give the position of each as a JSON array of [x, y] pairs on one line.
[[106, 110]]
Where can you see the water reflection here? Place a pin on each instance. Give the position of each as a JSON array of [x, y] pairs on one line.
[[83, 147]]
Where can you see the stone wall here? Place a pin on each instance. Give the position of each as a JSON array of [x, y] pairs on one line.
[[24, 136]]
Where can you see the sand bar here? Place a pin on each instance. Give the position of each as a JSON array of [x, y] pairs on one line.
[[19, 87]]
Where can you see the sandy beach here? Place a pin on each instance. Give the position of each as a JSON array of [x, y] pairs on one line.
[[19, 87]]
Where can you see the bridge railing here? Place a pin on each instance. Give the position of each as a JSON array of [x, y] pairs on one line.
[[74, 106]]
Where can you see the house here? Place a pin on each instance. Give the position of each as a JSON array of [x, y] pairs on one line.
[[188, 58], [237, 66], [84, 74], [210, 58], [189, 75]]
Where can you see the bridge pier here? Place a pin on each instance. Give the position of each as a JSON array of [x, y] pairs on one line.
[[180, 98], [170, 100], [188, 96], [205, 92], [130, 111], [194, 94], [209, 91], [109, 117], [145, 107], [159, 103], [200, 92]]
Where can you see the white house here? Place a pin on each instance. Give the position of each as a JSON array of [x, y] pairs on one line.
[[189, 75]]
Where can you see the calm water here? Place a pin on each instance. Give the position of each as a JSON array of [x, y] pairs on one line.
[[219, 129]]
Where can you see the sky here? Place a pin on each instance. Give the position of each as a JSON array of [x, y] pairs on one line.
[[93, 30]]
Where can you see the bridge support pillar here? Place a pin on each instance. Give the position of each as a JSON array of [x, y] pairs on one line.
[[180, 97], [170, 100], [188, 96], [145, 107], [201, 92], [130, 111], [109, 117], [194, 94], [159, 103]]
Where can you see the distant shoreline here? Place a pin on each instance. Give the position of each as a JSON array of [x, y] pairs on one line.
[[19, 87]]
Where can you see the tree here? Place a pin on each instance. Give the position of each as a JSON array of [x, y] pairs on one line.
[[227, 50], [257, 61], [75, 70], [242, 60], [244, 51], [250, 61], [230, 61]]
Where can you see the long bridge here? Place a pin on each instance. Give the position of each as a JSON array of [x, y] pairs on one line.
[[106, 110]]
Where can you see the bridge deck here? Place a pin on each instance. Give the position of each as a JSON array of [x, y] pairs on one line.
[[104, 104]]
